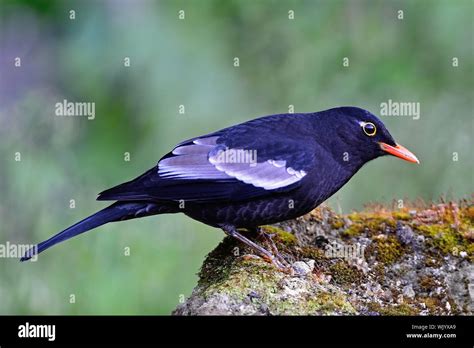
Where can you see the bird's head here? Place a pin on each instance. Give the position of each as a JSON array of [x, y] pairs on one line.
[[360, 136]]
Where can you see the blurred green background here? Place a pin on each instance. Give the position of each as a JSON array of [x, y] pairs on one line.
[[190, 62]]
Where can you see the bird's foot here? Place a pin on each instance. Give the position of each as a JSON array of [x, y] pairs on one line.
[[284, 266], [268, 237], [278, 261], [274, 261]]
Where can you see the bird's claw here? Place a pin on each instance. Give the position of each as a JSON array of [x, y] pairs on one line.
[[275, 258], [285, 268], [269, 239]]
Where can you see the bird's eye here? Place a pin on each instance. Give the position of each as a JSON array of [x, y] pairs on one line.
[[369, 129]]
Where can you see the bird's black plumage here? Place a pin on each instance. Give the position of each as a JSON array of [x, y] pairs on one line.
[[259, 172]]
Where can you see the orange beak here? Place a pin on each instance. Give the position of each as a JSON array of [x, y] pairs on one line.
[[400, 152]]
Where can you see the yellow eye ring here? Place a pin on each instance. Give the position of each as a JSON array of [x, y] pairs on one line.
[[369, 129]]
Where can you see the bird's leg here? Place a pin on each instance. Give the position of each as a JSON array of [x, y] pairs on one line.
[[269, 238], [232, 231]]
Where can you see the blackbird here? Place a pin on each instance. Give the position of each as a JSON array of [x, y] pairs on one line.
[[259, 172]]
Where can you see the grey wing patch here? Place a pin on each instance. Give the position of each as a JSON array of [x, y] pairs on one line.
[[269, 175], [204, 159], [190, 161]]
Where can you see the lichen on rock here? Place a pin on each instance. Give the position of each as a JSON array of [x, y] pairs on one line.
[[411, 261]]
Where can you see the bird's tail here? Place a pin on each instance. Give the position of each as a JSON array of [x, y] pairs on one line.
[[115, 212]]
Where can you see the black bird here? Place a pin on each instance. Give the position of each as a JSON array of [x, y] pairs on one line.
[[260, 172]]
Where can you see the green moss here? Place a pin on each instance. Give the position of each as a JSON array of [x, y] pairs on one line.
[[354, 230], [253, 275], [380, 223], [355, 217], [316, 254], [443, 238], [427, 283], [218, 263], [370, 223], [433, 304], [337, 223], [327, 303], [468, 213], [281, 236], [387, 250], [432, 262], [324, 303], [226, 259], [379, 271], [470, 251], [249, 275], [401, 309], [344, 274], [401, 215]]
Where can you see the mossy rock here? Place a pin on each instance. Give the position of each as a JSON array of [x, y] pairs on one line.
[[415, 260]]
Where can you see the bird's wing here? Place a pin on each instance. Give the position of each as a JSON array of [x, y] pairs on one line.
[[221, 166]]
